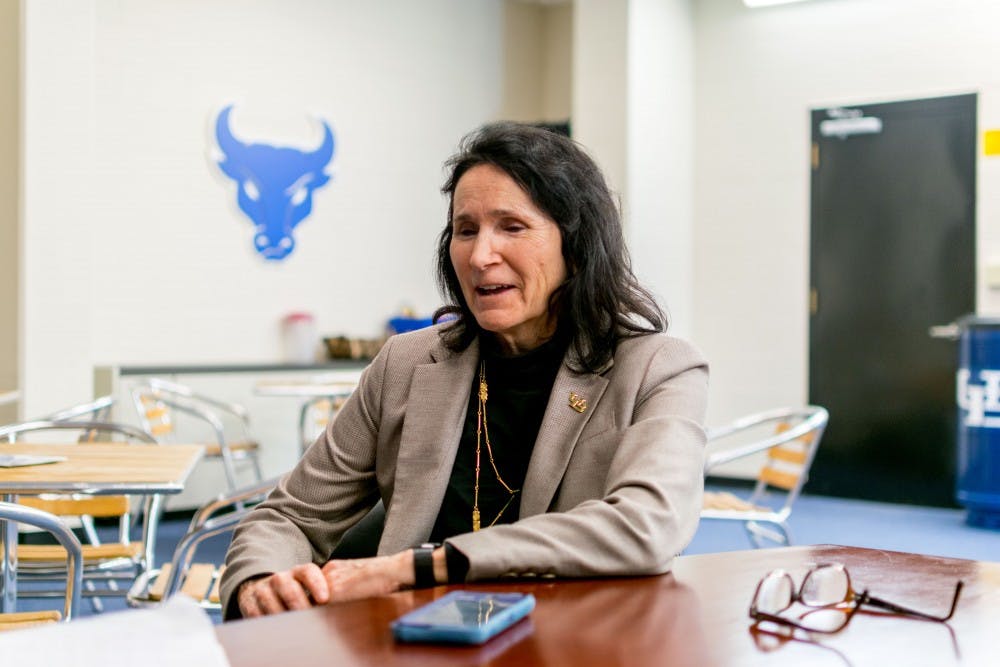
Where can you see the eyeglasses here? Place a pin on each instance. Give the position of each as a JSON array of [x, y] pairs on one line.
[[826, 590]]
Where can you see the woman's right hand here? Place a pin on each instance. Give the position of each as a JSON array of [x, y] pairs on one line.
[[298, 588]]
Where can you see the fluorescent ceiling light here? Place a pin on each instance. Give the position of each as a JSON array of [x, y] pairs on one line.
[[767, 3]]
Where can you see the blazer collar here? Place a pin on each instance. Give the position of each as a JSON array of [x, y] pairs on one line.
[[435, 414]]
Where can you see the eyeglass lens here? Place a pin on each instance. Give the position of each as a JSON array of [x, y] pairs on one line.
[[826, 585], [775, 593], [823, 586], [822, 589]]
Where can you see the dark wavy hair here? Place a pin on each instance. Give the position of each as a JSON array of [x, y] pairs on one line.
[[601, 301]]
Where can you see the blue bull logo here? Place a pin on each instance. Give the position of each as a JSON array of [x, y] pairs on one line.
[[275, 184]]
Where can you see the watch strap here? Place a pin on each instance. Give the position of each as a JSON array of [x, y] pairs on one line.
[[423, 566]]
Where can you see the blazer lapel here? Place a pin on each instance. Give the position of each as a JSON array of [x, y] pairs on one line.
[[558, 435], [435, 412]]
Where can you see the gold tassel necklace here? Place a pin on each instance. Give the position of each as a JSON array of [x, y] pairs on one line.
[[483, 433]]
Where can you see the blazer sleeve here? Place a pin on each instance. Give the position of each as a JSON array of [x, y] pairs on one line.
[[651, 498], [327, 492]]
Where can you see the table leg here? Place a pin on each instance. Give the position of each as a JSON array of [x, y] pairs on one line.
[[8, 561]]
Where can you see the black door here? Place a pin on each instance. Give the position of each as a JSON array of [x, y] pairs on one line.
[[892, 254]]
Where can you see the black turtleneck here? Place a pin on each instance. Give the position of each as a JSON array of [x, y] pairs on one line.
[[519, 389]]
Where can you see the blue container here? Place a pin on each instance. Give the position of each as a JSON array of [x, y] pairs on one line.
[[403, 324], [978, 395]]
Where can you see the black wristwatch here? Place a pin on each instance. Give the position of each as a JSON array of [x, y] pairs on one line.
[[423, 565]]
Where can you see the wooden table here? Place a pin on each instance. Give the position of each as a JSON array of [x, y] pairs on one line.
[[695, 616], [93, 468]]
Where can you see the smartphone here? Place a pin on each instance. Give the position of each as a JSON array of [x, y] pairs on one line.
[[463, 617]]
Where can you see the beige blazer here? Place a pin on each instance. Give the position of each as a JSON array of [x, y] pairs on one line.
[[613, 490]]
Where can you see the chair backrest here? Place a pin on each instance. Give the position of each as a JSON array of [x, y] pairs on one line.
[[97, 410], [49, 522], [156, 401], [792, 436], [788, 463], [154, 414], [170, 387], [11, 432], [316, 414]]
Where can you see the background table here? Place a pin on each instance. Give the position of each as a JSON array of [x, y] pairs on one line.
[[329, 386], [695, 616], [93, 468]]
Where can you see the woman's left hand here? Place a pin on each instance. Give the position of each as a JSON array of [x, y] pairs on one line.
[[367, 577]]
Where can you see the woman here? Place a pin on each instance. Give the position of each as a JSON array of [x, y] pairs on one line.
[[551, 430]]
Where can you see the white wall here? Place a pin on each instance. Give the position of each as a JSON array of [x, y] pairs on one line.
[[659, 195], [134, 249], [600, 84], [757, 75], [10, 70], [632, 107]]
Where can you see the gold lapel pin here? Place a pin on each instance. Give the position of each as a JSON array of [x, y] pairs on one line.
[[577, 402]]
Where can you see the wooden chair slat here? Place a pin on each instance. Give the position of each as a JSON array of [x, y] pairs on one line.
[[27, 619], [201, 582], [778, 478], [784, 426], [796, 457], [97, 506], [160, 429], [198, 579], [159, 586], [91, 552]]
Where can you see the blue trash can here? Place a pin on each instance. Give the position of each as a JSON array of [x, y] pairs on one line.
[[978, 395]]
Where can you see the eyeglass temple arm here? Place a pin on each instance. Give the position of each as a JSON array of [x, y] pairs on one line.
[[899, 609]]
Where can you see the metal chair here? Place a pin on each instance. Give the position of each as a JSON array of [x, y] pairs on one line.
[[97, 410], [790, 440], [157, 400], [316, 414], [105, 565], [73, 566], [198, 580]]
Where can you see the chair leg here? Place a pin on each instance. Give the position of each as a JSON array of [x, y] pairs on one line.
[[87, 522], [229, 468], [779, 534], [257, 471], [95, 601], [303, 417]]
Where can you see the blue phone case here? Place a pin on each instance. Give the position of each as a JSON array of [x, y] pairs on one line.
[[463, 617]]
